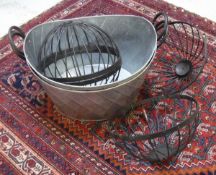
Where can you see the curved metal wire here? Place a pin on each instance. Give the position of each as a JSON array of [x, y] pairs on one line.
[[79, 53], [158, 130], [179, 61]]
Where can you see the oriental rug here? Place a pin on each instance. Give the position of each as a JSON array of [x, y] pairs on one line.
[[36, 139]]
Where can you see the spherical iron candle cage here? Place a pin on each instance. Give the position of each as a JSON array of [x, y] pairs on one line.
[[158, 130], [79, 53], [179, 60]]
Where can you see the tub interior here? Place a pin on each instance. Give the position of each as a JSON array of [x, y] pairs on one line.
[[134, 36]]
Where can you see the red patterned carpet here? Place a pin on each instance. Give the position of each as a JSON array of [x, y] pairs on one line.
[[34, 139]]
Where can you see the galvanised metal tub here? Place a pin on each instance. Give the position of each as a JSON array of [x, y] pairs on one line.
[[136, 39]]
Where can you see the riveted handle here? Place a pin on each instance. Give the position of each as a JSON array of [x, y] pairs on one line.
[[161, 27], [16, 31]]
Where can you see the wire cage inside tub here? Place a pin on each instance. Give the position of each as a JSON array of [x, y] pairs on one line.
[[79, 53]]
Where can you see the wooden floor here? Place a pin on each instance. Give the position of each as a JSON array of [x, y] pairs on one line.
[[17, 12]]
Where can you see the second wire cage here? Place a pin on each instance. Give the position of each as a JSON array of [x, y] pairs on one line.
[[179, 60], [157, 131]]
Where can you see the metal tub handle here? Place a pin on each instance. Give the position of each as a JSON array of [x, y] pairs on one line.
[[16, 31], [161, 27]]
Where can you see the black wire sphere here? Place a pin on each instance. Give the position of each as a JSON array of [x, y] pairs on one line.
[[179, 60], [158, 130], [79, 53]]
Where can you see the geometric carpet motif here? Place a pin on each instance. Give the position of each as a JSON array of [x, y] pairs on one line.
[[36, 139]]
